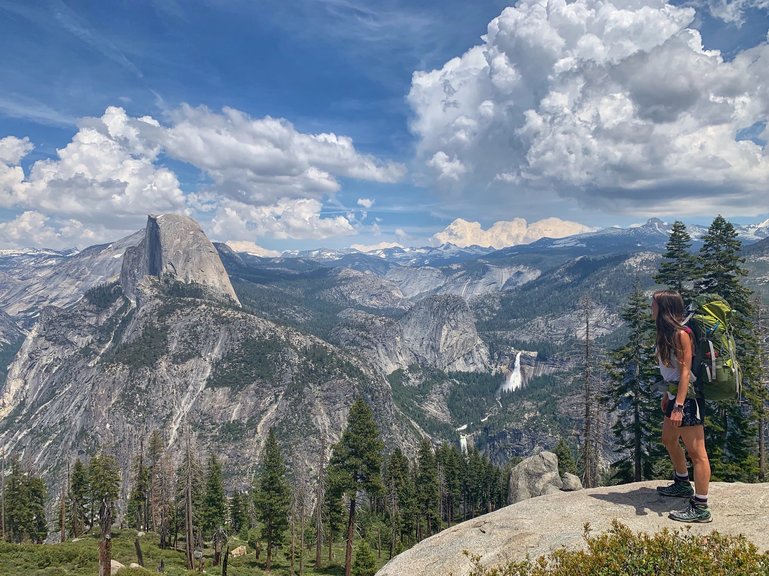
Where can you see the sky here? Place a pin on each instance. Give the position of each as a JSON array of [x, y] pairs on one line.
[[296, 124]]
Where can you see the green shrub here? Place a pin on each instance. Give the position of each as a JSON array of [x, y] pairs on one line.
[[621, 552]]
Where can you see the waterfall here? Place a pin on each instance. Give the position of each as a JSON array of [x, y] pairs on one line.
[[514, 380], [463, 443]]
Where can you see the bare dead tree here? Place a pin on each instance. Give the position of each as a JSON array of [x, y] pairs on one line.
[[589, 444], [762, 334], [319, 495]]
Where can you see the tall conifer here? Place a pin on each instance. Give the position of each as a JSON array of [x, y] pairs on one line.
[[356, 463], [678, 269], [273, 497], [632, 370]]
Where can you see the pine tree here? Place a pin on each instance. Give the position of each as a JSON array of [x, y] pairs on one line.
[[731, 429], [214, 501], [356, 461], [678, 269], [140, 491], [449, 461], [273, 497], [25, 498], [79, 497], [398, 498], [566, 461], [237, 512], [632, 369], [103, 480], [365, 562], [428, 494]]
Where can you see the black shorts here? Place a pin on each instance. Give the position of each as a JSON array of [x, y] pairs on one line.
[[694, 411]]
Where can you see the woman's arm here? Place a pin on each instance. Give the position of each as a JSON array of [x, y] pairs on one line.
[[684, 357]]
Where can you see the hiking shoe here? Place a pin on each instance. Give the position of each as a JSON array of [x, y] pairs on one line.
[[694, 512], [676, 490]]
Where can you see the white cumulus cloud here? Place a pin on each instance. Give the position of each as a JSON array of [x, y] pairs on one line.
[[286, 219], [265, 178], [506, 233], [612, 104], [251, 248]]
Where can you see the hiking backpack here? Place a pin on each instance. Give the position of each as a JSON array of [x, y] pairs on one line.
[[715, 364]]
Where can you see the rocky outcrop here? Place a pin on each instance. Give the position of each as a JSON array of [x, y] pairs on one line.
[[537, 475], [437, 332], [538, 526], [174, 246]]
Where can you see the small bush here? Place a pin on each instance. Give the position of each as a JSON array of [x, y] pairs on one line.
[[620, 552]]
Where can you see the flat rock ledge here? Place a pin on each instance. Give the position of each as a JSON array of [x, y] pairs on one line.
[[539, 525]]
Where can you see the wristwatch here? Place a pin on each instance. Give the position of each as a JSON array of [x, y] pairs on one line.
[[678, 407]]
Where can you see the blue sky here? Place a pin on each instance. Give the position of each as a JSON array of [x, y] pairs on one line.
[[305, 123]]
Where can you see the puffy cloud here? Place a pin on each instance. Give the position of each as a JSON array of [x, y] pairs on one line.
[[506, 233], [266, 178], [35, 229], [615, 105], [105, 176], [286, 219], [13, 149], [251, 248], [258, 161], [365, 202]]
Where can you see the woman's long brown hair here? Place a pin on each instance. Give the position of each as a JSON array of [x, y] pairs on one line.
[[670, 317]]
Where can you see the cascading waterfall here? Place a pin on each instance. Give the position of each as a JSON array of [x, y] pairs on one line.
[[515, 379]]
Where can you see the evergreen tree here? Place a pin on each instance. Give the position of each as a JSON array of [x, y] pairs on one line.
[[678, 269], [79, 498], [273, 497], [633, 372], [25, 498], [566, 461], [238, 512], [214, 502], [140, 491], [365, 562], [428, 493], [449, 461], [356, 462], [731, 429], [104, 481]]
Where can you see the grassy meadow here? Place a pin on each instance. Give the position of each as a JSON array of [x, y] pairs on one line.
[[81, 558]]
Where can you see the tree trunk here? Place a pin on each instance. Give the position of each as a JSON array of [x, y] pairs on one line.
[[350, 536], [139, 555], [105, 542]]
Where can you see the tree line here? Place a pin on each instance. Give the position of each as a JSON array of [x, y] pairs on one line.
[[735, 432], [362, 493]]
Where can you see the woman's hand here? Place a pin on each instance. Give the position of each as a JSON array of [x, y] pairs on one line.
[[676, 417]]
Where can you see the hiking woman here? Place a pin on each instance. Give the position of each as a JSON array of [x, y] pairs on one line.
[[684, 411]]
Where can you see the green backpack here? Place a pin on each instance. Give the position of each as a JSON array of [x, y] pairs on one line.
[[715, 364]]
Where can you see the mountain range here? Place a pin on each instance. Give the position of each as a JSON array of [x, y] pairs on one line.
[[165, 330]]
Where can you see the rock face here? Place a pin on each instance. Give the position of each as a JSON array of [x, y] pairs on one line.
[[437, 332], [33, 279], [535, 476], [175, 246], [536, 527]]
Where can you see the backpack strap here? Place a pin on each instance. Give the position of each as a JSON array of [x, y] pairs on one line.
[[699, 357]]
